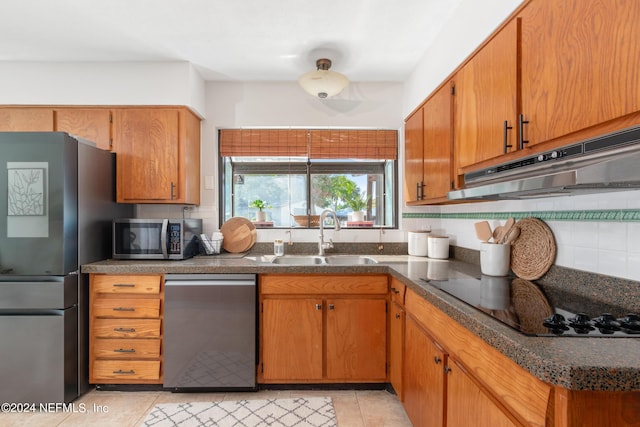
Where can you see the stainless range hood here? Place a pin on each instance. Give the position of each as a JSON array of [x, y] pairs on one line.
[[607, 163]]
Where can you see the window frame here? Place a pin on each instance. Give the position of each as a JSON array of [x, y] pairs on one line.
[[313, 166]]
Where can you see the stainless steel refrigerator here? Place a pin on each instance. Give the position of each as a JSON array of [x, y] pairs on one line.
[[57, 201]]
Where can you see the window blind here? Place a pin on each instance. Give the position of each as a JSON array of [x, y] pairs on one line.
[[353, 144], [263, 142], [314, 143]]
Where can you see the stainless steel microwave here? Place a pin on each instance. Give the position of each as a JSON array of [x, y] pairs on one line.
[[135, 238]]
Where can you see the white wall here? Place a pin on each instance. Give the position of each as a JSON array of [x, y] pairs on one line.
[[93, 83], [472, 22]]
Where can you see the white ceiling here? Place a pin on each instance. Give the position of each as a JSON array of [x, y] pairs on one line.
[[237, 40]]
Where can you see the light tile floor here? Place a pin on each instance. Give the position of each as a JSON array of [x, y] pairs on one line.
[[354, 408]]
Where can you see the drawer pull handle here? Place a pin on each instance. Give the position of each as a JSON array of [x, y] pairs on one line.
[[121, 372], [124, 350], [124, 285], [124, 309], [124, 329]]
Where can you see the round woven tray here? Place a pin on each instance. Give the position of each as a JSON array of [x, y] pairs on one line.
[[534, 251], [530, 305]]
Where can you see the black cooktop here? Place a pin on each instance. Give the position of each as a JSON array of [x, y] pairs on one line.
[[527, 307]]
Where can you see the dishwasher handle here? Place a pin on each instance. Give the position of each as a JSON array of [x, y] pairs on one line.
[[170, 283]]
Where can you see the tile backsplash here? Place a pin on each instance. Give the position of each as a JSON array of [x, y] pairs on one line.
[[595, 233]]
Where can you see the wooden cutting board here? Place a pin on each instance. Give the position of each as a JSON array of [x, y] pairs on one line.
[[239, 234]]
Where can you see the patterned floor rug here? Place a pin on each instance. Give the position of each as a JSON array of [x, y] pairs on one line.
[[298, 412]]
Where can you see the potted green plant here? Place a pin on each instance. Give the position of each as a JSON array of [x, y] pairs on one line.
[[358, 203], [260, 205]]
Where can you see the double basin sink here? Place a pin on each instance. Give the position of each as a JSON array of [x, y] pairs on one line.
[[323, 260]]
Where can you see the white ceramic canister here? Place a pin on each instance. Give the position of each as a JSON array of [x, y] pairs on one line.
[[418, 243], [438, 247]]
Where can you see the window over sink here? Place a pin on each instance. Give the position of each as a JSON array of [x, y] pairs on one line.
[[292, 180]]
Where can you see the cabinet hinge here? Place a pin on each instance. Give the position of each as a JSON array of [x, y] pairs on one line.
[[453, 90]]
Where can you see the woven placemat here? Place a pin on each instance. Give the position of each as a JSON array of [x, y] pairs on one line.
[[534, 251], [530, 305]]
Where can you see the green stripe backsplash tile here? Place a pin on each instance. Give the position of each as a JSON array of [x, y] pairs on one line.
[[618, 215]]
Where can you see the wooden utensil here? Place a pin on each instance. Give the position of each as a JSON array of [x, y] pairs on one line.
[[483, 231], [239, 234], [512, 235], [498, 234], [508, 225]]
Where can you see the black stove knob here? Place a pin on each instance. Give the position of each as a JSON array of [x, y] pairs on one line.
[[556, 322], [606, 323], [581, 323], [630, 323]]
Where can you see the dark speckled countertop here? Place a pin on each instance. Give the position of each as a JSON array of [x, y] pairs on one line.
[[575, 363]]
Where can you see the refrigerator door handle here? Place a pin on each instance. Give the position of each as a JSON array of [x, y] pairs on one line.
[[163, 238]]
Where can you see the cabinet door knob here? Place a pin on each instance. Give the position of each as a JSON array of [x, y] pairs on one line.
[[397, 315], [331, 307], [318, 306], [447, 369], [437, 360]]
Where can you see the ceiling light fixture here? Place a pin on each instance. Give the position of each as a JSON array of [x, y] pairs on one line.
[[323, 82]]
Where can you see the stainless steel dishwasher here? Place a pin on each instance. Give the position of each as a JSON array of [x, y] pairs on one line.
[[210, 332]]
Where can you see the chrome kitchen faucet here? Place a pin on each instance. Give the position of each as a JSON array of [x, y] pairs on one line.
[[321, 244]]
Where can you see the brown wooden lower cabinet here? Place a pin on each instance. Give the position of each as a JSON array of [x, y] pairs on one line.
[[454, 378], [125, 329], [323, 328], [468, 404], [396, 347], [424, 379]]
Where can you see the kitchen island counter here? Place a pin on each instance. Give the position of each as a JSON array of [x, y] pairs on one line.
[[574, 363]]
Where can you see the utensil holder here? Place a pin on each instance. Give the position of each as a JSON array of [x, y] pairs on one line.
[[495, 259]]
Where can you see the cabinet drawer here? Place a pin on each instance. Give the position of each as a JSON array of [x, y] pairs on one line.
[[294, 284], [125, 284], [126, 308], [397, 291], [126, 348], [126, 370], [126, 328]]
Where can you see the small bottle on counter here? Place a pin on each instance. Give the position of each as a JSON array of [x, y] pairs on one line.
[[278, 247]]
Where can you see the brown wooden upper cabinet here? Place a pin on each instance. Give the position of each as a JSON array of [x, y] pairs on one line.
[[92, 124], [579, 67], [26, 119], [428, 174], [414, 156], [158, 155], [556, 73], [486, 110]]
